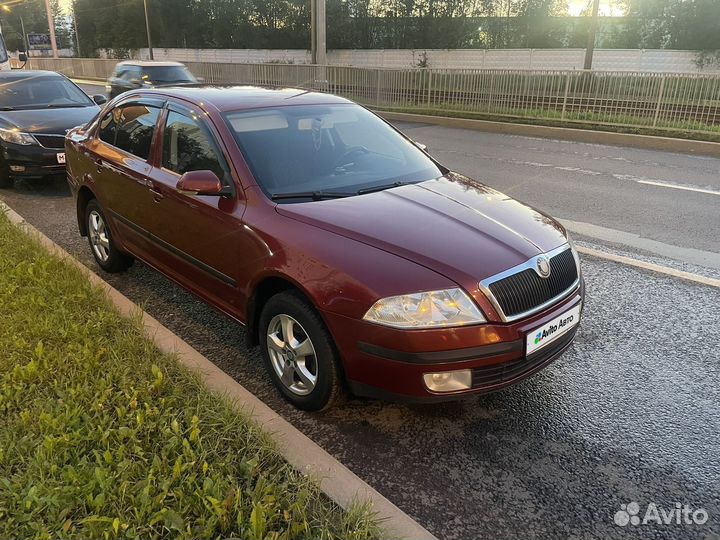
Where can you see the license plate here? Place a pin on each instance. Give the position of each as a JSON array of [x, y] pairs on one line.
[[543, 335], [61, 157]]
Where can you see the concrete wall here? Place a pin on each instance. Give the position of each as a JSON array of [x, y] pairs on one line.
[[539, 59]]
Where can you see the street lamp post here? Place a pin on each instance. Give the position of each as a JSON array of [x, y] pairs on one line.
[[147, 27], [24, 35], [318, 32], [77, 36], [51, 27], [591, 35]]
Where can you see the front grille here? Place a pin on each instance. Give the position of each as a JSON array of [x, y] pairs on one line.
[[514, 369], [526, 290], [51, 141]]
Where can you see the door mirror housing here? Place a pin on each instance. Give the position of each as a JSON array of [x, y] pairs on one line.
[[99, 99], [22, 57], [202, 183], [421, 146]]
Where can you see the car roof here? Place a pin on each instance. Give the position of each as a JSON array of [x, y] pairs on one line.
[[148, 63], [229, 97], [16, 74]]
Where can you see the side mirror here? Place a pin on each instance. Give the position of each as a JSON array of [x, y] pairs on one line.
[[201, 183], [99, 99], [22, 57], [200, 79], [421, 146]]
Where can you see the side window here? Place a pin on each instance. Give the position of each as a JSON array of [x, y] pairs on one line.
[[135, 128], [108, 127], [187, 146], [130, 73]]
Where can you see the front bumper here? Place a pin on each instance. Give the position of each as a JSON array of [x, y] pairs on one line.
[[387, 363], [35, 161]]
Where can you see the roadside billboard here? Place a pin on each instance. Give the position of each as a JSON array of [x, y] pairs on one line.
[[39, 42]]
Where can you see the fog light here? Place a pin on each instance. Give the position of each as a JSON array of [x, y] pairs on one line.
[[448, 381], [17, 168]]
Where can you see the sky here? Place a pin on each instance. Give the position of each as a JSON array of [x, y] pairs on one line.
[[608, 8]]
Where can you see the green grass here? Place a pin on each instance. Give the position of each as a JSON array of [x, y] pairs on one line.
[[103, 436], [577, 120]]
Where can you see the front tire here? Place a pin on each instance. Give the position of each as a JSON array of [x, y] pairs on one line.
[[102, 245], [299, 352], [6, 180]]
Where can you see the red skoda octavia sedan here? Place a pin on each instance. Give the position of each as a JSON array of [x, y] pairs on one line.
[[354, 259]]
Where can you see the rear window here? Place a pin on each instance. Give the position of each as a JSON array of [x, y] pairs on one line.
[[130, 128]]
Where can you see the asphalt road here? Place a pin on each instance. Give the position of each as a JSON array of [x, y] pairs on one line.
[[664, 197], [660, 203], [630, 413]]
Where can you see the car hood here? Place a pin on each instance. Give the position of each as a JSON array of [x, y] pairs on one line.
[[453, 225], [56, 121]]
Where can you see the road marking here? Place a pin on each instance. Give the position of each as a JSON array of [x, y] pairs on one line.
[[688, 276], [660, 183], [676, 186], [689, 255]]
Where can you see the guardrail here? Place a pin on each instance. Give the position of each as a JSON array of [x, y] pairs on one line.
[[633, 99]]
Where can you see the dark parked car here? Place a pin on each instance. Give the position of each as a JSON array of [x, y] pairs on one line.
[[37, 109], [354, 259], [134, 74]]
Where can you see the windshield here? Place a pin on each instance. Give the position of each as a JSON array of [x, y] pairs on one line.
[[167, 74], [337, 149], [39, 92]]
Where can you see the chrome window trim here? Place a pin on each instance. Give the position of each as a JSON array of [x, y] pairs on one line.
[[529, 264]]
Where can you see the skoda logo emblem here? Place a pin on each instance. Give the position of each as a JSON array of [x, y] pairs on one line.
[[542, 266]]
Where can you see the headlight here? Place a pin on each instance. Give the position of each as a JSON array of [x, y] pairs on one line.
[[434, 309], [16, 137]]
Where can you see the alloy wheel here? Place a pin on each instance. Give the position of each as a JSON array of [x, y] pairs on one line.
[[99, 236], [292, 354]]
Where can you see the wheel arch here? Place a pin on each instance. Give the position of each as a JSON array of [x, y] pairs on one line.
[[265, 288], [84, 196]]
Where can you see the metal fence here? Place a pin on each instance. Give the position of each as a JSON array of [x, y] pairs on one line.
[[621, 98]]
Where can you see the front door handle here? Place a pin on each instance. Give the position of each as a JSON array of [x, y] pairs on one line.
[[157, 194]]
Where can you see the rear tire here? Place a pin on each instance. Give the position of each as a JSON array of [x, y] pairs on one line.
[[102, 245], [299, 352]]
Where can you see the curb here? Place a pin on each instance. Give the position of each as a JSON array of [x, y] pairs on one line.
[[335, 479], [647, 142], [652, 267]]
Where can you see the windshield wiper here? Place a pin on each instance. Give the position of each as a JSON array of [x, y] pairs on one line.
[[314, 195], [381, 188], [65, 106]]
